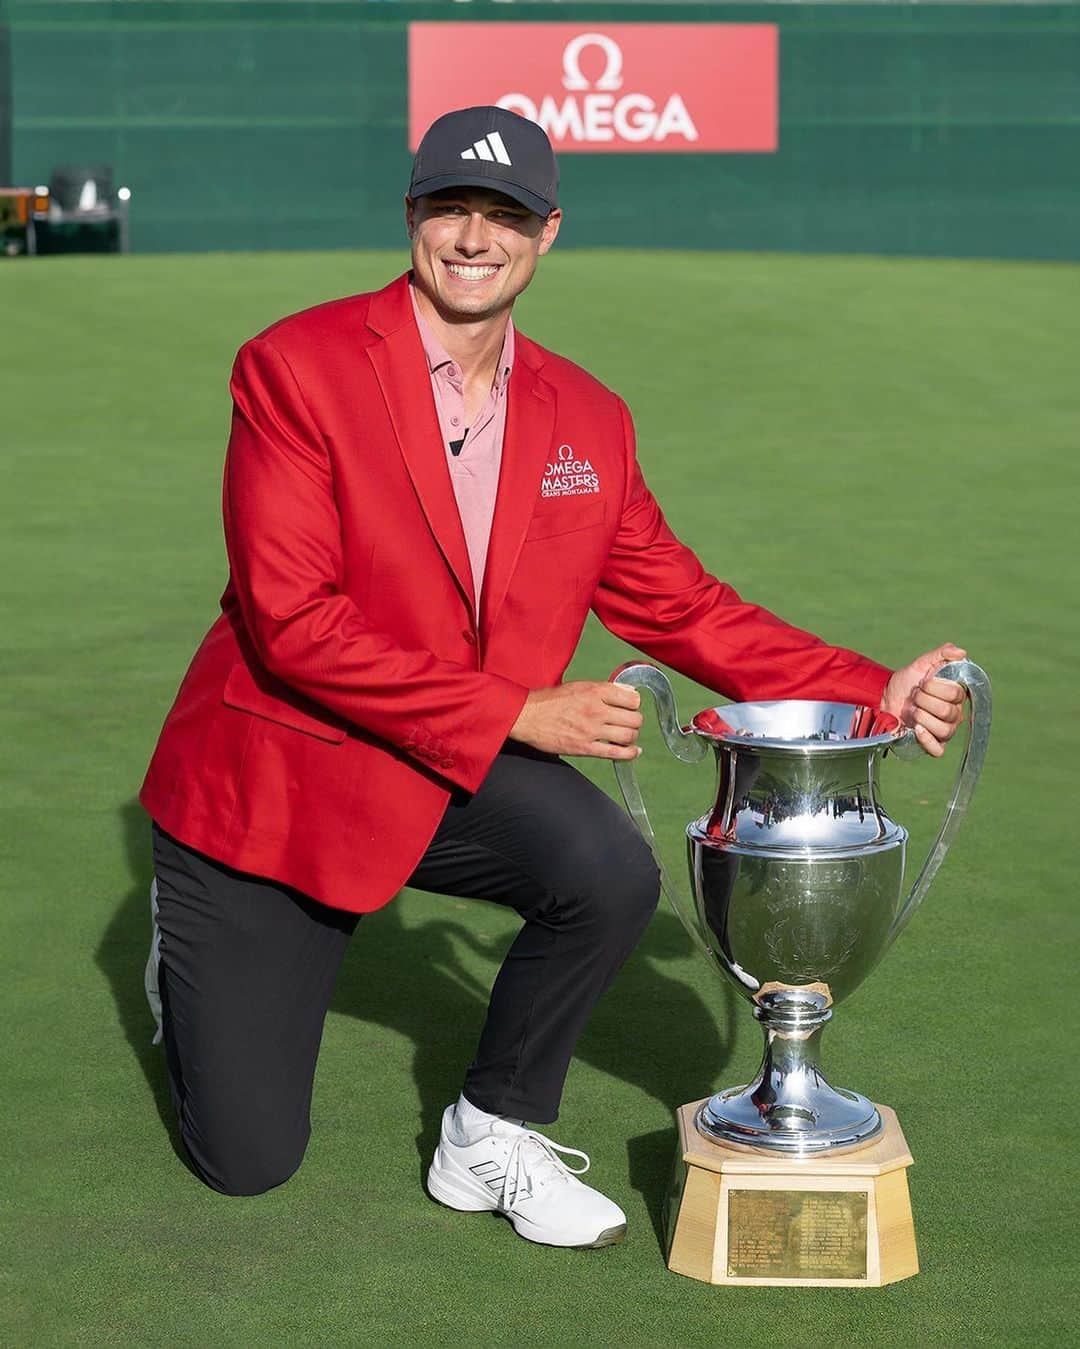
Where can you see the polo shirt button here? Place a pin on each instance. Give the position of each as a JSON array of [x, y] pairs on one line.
[[469, 636], [455, 421]]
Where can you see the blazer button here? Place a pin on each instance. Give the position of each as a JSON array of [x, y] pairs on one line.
[[469, 636]]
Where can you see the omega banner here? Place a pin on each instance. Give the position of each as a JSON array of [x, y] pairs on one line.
[[620, 88]]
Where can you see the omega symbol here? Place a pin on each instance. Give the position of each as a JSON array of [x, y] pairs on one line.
[[571, 62]]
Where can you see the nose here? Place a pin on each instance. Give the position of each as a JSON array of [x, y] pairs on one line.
[[475, 236]]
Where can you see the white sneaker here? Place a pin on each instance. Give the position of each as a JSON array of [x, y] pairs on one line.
[[508, 1169]]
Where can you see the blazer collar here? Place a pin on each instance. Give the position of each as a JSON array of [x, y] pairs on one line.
[[530, 422], [402, 370], [390, 308]]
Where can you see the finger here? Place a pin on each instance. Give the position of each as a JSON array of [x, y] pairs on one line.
[[945, 689], [950, 651], [928, 742], [940, 730], [622, 716], [620, 735], [620, 695], [938, 707], [600, 749]]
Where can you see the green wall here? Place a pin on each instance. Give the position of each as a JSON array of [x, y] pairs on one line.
[[923, 129], [5, 98]]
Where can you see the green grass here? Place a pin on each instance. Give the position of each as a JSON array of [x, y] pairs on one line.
[[881, 450]]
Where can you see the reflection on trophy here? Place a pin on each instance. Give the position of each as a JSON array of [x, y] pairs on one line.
[[797, 892]]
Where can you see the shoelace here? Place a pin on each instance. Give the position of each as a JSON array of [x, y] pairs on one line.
[[549, 1163]]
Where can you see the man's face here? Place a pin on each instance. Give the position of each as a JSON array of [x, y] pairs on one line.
[[474, 251]]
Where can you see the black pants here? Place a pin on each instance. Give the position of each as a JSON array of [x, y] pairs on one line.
[[248, 966]]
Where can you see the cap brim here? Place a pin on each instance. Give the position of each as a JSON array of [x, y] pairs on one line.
[[528, 199]]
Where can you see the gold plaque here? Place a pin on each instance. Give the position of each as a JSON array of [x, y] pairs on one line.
[[797, 1234]]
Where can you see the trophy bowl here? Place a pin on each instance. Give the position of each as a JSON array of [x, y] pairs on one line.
[[797, 885]]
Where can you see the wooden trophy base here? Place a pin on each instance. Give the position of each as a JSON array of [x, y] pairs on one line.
[[735, 1216]]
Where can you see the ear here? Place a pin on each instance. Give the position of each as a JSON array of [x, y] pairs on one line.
[[550, 230], [410, 215]]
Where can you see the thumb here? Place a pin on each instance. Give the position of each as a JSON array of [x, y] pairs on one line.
[[941, 655]]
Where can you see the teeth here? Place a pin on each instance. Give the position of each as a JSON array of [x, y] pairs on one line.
[[470, 273]]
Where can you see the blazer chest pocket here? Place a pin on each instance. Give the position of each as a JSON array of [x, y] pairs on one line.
[[565, 515], [244, 693]]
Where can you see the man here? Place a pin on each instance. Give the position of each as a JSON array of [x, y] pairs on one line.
[[421, 506]]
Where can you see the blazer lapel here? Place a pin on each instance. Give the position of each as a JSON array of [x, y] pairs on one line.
[[530, 421], [402, 372]]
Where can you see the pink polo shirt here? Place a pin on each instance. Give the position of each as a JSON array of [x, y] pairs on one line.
[[474, 471]]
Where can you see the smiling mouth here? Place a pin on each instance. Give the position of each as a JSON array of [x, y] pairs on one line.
[[465, 271]]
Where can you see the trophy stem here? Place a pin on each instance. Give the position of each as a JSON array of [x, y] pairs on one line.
[[790, 1107]]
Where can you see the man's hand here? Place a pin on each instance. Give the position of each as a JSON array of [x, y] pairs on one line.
[[934, 708], [598, 720]]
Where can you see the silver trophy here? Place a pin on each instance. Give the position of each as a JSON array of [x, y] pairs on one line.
[[797, 873]]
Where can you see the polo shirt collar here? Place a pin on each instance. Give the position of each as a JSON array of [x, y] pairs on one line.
[[437, 357]]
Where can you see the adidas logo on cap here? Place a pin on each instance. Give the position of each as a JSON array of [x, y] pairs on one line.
[[491, 148]]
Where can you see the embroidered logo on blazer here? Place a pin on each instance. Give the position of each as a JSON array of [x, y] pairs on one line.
[[569, 476]]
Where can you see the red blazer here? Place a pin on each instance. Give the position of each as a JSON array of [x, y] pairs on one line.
[[347, 687]]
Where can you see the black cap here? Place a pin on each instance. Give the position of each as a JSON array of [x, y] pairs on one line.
[[488, 147]]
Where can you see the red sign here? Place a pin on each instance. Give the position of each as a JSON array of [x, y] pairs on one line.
[[621, 88]]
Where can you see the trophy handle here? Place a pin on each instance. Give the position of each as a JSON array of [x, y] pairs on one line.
[[685, 746], [977, 684]]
